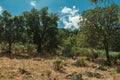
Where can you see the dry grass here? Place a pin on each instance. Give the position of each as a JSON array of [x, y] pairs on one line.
[[38, 68]]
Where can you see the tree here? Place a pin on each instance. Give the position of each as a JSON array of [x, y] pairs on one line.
[[12, 28], [101, 1], [119, 17], [70, 40], [101, 26], [43, 28], [52, 33], [33, 27]]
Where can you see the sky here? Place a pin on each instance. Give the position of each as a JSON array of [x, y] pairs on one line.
[[69, 10]]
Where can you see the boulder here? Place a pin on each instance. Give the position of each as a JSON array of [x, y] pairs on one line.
[[23, 71], [74, 76], [100, 67], [92, 74]]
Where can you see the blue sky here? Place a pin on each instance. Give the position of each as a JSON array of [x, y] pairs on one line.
[[16, 7]]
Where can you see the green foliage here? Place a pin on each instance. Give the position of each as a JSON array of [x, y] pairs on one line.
[[49, 72], [105, 2], [34, 27], [81, 62], [119, 17], [20, 48], [118, 69], [67, 51], [57, 64], [42, 26], [114, 56], [70, 43], [101, 26], [70, 51], [12, 28], [94, 54], [2, 47], [36, 31]]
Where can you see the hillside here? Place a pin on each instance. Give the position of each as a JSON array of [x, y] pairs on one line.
[[42, 69]]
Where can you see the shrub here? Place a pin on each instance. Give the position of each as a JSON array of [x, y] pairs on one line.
[[57, 64], [27, 49], [80, 62], [118, 69], [93, 54], [48, 73], [70, 51], [2, 47], [18, 48], [106, 63], [74, 51], [67, 51]]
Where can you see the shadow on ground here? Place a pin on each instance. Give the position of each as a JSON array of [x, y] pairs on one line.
[[25, 56]]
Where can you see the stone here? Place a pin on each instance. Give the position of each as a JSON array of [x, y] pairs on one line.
[[23, 71], [92, 74], [100, 67], [74, 76]]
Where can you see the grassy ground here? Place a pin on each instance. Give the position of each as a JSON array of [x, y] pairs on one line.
[[42, 69]]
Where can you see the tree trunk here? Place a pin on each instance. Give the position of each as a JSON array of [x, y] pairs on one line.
[[9, 47], [39, 49], [107, 52], [106, 47]]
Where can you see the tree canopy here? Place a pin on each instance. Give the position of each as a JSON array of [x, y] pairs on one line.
[[102, 26]]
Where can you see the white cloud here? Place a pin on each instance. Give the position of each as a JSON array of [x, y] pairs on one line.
[[71, 11], [33, 3], [67, 24], [75, 20], [1, 9], [71, 17], [66, 10]]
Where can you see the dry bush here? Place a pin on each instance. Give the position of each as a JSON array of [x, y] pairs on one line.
[[80, 62], [118, 69], [57, 64], [48, 72]]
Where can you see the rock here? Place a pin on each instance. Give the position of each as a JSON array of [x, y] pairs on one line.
[[80, 63], [68, 76], [23, 71], [97, 75], [92, 74], [89, 74], [74, 76], [100, 67]]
